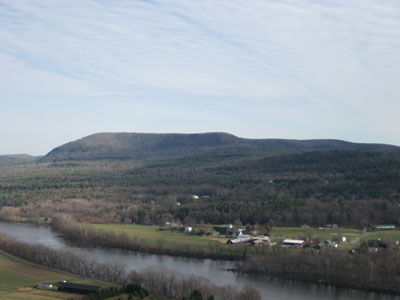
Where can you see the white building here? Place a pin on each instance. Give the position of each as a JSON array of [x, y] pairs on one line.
[[293, 242]]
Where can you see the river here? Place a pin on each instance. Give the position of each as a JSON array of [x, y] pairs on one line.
[[270, 289]]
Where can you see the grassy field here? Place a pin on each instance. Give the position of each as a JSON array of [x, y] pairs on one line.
[[154, 236], [392, 234], [280, 233], [17, 280]]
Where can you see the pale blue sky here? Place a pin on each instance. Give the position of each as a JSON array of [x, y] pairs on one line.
[[259, 69]]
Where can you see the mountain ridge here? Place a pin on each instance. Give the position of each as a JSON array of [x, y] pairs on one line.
[[124, 145]]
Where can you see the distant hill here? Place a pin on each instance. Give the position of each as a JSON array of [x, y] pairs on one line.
[[151, 145], [13, 159]]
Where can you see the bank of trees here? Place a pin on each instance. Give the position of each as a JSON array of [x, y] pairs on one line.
[[159, 282], [378, 271], [63, 260]]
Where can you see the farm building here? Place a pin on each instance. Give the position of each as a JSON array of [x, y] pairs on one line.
[[241, 238], [77, 288], [385, 227], [293, 242], [262, 243]]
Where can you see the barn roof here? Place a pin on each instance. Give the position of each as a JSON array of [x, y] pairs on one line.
[[77, 286]]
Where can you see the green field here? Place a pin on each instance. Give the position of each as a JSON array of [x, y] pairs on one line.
[[280, 233], [154, 236], [18, 278], [391, 234], [173, 239]]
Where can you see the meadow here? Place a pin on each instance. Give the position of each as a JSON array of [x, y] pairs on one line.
[[168, 238]]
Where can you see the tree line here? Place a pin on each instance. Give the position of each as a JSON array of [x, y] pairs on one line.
[[378, 271], [84, 232]]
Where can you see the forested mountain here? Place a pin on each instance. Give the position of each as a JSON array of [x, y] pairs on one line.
[[147, 145], [151, 179]]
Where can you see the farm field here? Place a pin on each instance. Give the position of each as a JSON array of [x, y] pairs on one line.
[[392, 234], [154, 236], [280, 233], [18, 278]]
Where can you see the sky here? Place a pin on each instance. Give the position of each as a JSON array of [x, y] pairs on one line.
[[300, 69]]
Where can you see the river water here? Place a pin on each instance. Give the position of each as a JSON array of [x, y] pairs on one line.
[[270, 289]]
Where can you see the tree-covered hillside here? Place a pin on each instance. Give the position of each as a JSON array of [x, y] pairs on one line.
[[347, 187]]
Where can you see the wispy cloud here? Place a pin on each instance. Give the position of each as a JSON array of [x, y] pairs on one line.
[[324, 61]]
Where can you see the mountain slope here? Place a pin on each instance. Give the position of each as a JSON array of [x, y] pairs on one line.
[[150, 145]]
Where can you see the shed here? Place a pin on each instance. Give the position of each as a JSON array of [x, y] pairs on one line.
[[77, 288]]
